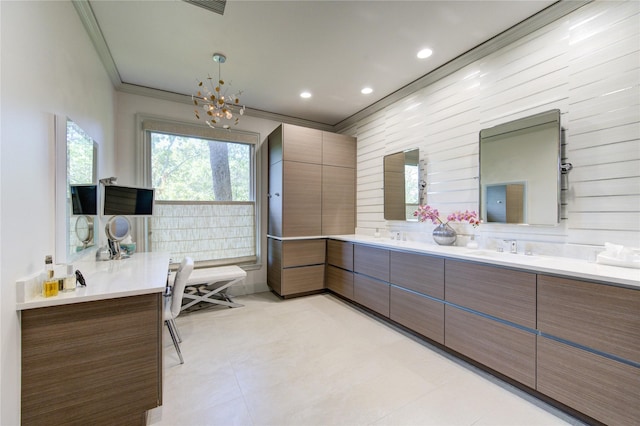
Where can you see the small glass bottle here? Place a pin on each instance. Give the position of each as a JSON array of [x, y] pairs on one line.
[[69, 281], [50, 284]]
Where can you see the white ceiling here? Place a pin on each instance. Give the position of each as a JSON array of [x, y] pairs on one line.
[[276, 49]]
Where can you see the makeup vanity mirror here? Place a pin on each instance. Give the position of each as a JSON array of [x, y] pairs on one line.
[[520, 171], [117, 229], [402, 189], [76, 190]]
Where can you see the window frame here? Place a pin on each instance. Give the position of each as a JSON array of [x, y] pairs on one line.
[[148, 123]]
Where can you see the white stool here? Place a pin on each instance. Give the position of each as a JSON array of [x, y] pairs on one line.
[[210, 285]]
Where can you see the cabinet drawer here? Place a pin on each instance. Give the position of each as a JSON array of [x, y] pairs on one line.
[[503, 348], [302, 280], [502, 293], [371, 293], [340, 281], [424, 274], [596, 386], [371, 261], [418, 313], [302, 253], [340, 254], [598, 316]]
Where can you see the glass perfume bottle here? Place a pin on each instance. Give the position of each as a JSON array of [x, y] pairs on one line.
[[69, 281], [50, 284]]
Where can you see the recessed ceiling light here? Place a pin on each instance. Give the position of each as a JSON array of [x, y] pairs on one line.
[[425, 53], [366, 90], [305, 95]]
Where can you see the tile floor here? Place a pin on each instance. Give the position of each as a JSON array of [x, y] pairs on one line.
[[317, 360]]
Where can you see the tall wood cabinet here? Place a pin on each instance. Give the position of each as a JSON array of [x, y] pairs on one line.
[[312, 184]]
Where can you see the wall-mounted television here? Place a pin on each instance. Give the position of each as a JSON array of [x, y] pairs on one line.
[[84, 200], [127, 201]]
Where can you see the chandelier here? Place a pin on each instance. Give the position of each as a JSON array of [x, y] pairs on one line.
[[220, 109]]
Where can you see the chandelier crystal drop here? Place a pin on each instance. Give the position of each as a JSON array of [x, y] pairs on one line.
[[213, 104]]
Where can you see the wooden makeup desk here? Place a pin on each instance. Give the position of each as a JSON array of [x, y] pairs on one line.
[[94, 356]]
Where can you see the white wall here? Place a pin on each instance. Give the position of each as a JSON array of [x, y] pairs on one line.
[[128, 105], [49, 67], [587, 65]]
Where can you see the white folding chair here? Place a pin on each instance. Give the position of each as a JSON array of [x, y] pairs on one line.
[[173, 301]]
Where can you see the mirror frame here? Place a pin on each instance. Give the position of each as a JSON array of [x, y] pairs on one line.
[[394, 184], [517, 127], [63, 228]]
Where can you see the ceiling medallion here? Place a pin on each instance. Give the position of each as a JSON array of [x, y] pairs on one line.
[[220, 109]]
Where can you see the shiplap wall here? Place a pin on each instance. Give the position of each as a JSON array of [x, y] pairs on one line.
[[586, 64]]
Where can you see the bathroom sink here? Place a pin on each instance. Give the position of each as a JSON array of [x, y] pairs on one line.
[[503, 256]]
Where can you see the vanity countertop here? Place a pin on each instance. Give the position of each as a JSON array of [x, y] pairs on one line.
[[142, 273], [571, 268]]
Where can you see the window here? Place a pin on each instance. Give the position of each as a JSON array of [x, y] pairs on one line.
[[205, 192]]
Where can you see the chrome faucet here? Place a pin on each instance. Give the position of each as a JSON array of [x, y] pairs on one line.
[[513, 246]]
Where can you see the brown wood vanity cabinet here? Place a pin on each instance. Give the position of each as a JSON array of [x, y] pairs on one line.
[[295, 266], [496, 319], [92, 363], [417, 292], [339, 272], [589, 348]]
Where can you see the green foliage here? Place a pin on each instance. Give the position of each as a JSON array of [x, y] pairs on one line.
[[79, 155], [181, 170]]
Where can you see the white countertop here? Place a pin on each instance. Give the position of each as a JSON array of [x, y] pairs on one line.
[[142, 273], [572, 268]]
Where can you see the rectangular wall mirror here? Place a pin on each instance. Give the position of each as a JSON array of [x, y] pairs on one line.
[[76, 190], [520, 171], [401, 184]]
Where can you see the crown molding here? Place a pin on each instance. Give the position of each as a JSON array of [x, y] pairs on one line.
[[511, 35], [88, 18]]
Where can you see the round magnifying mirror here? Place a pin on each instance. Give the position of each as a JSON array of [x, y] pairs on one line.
[[118, 228], [84, 230]]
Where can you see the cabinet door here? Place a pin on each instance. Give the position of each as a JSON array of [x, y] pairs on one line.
[[303, 253], [599, 387], [302, 199], [274, 264], [275, 197], [505, 349], [602, 317], [340, 254], [502, 293], [418, 272], [340, 281], [371, 261], [418, 313], [338, 150], [338, 200], [371, 293], [92, 363], [301, 144]]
